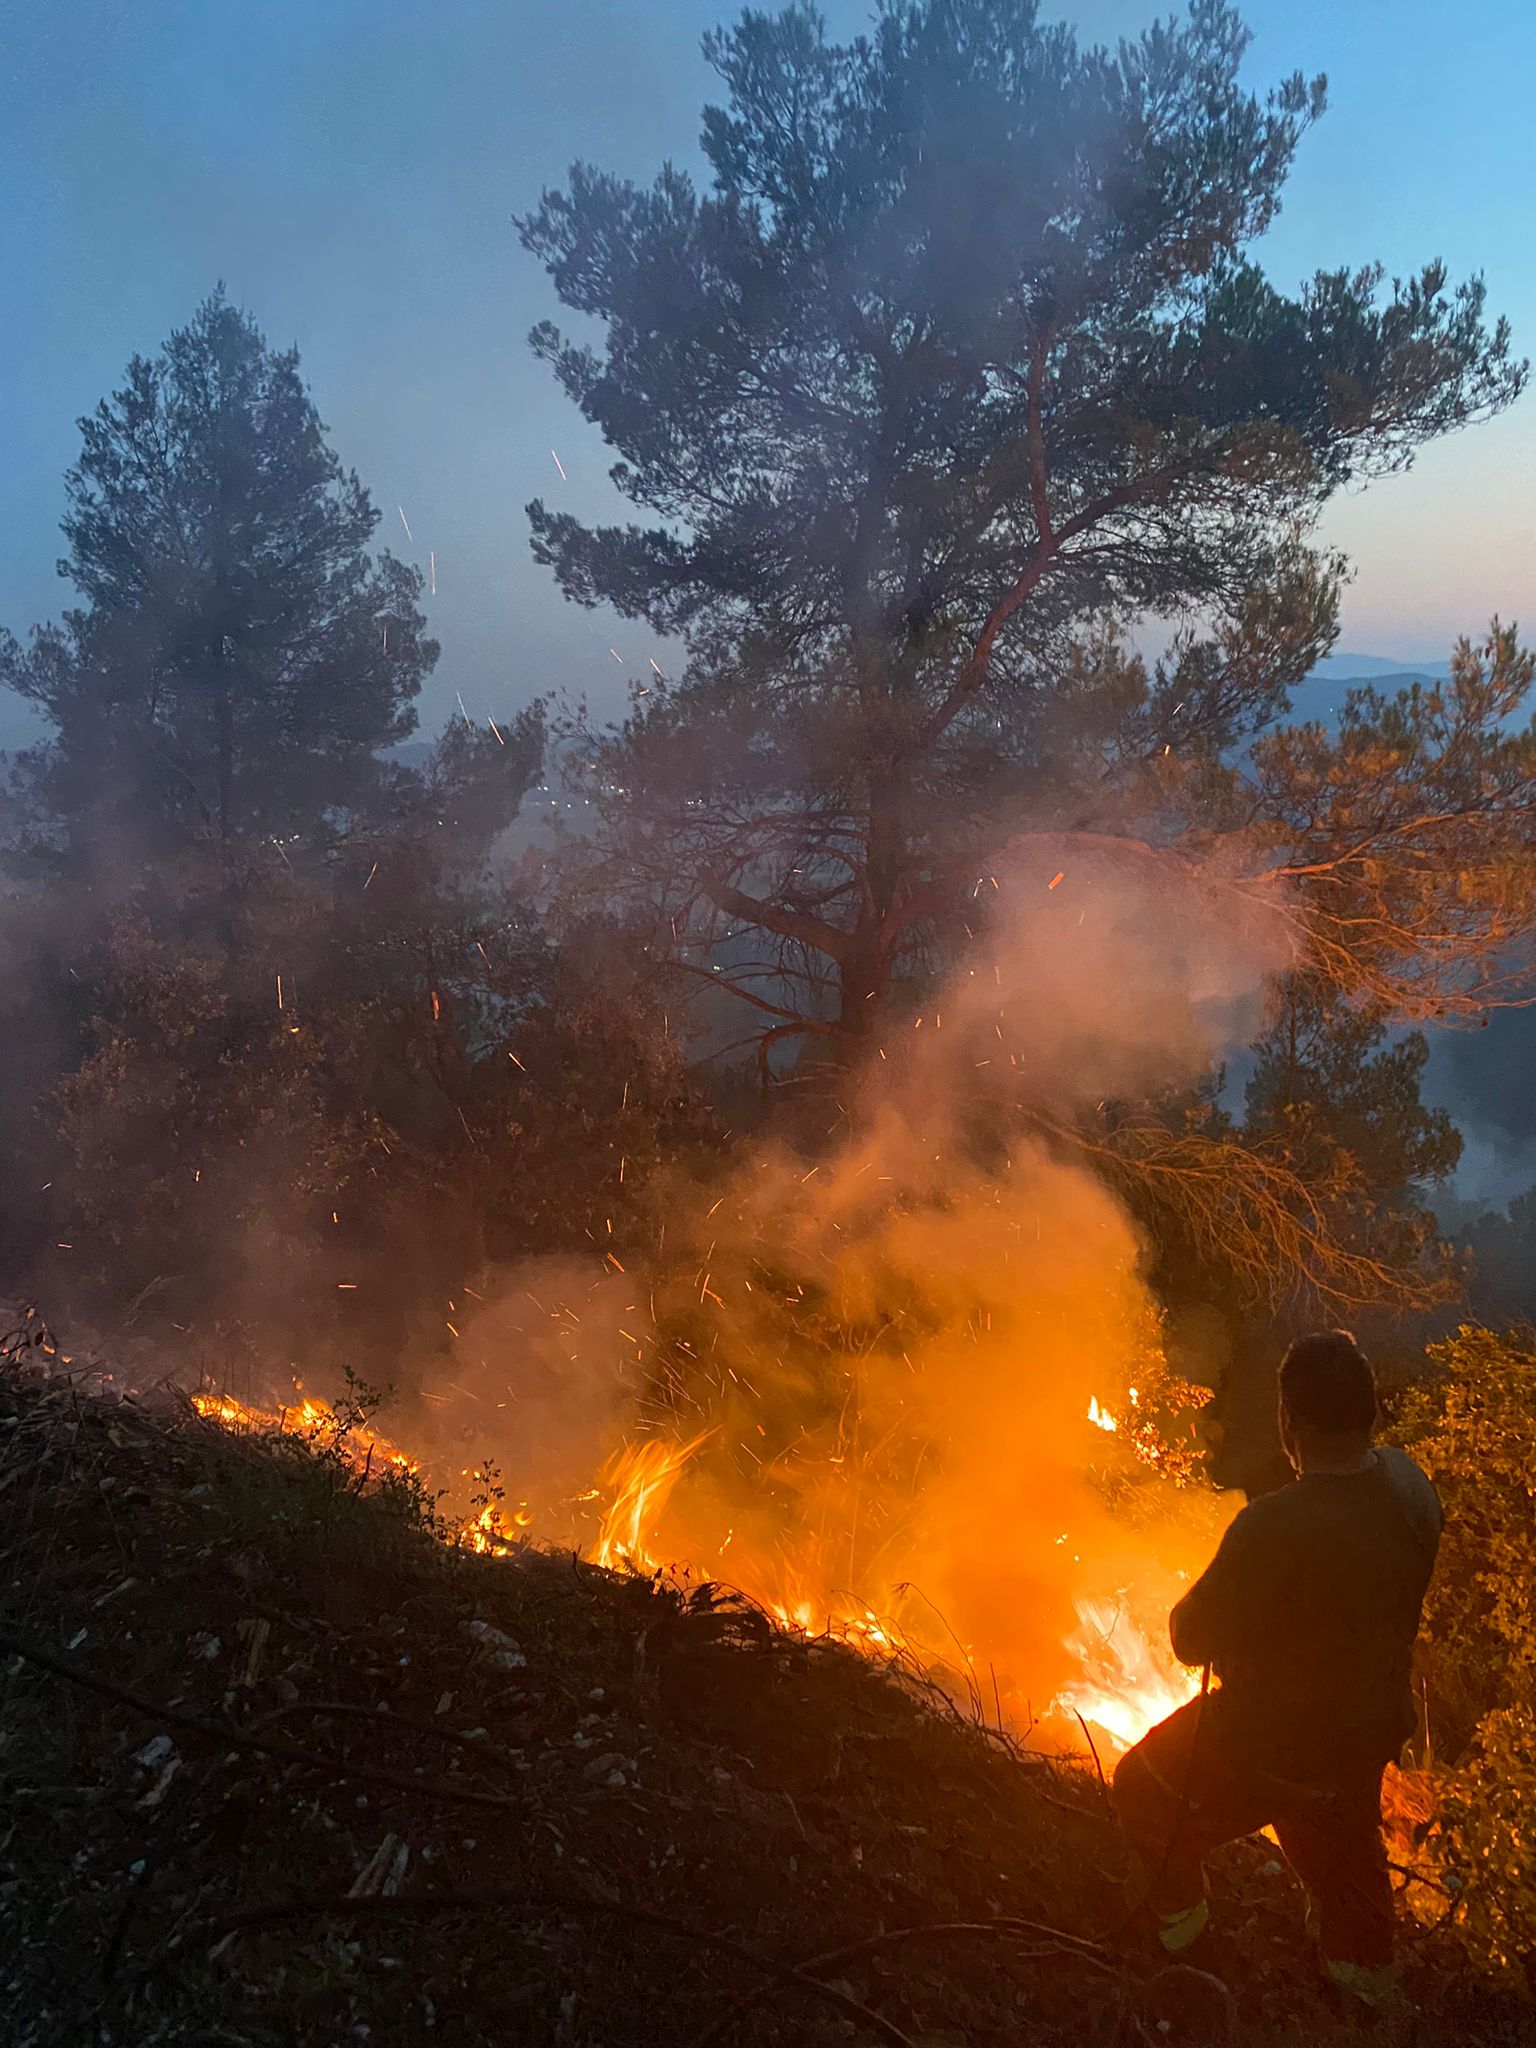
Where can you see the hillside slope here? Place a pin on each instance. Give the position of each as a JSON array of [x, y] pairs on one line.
[[282, 1768]]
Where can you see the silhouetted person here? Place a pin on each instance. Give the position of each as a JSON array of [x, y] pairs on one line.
[[1306, 1617]]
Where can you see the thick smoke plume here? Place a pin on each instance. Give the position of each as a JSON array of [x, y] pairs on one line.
[[875, 1362]]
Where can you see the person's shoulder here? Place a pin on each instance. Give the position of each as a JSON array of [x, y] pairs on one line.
[[1266, 1511], [1408, 1480], [1400, 1464]]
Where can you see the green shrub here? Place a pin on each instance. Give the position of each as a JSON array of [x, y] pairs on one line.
[[1472, 1426]]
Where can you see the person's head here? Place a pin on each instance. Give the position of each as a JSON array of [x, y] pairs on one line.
[[1327, 1399]]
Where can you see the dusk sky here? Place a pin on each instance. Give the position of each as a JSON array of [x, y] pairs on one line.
[[350, 167]]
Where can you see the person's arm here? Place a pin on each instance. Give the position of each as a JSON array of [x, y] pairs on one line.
[[1205, 1624]]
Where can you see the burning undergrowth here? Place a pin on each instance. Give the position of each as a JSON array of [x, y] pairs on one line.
[[906, 1385], [283, 1771], [927, 1412]]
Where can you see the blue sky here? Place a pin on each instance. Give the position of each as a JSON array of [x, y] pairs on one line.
[[350, 168]]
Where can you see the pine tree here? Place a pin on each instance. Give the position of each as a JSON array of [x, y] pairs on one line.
[[962, 351], [962, 363], [1502, 1248], [1340, 1094], [239, 657], [252, 982]]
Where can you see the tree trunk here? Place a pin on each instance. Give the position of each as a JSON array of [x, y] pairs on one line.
[[865, 978]]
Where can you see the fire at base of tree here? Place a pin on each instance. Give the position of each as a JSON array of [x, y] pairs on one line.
[[873, 1165]]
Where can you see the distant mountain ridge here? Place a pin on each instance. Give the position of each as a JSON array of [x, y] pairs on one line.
[[1319, 699], [1369, 668]]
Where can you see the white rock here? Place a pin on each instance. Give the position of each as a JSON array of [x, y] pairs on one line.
[[489, 1635]]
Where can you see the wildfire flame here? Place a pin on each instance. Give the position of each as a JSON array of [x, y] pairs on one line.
[[1128, 1678], [642, 1476], [1128, 1683], [311, 1418]]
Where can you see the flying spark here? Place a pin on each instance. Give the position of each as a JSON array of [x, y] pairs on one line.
[[406, 524], [560, 466]]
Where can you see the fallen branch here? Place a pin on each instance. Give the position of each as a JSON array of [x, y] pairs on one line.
[[380, 1717], [231, 1737], [1053, 1941], [1093, 1751], [550, 1905], [1411, 1876]]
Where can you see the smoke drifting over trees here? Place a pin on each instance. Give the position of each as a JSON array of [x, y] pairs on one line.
[[960, 364], [845, 1108], [261, 976]]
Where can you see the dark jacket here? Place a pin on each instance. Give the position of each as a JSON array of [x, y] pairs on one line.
[[1308, 1614]]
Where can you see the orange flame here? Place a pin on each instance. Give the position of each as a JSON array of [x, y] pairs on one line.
[[1127, 1677], [1128, 1684], [311, 1418], [642, 1476]]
